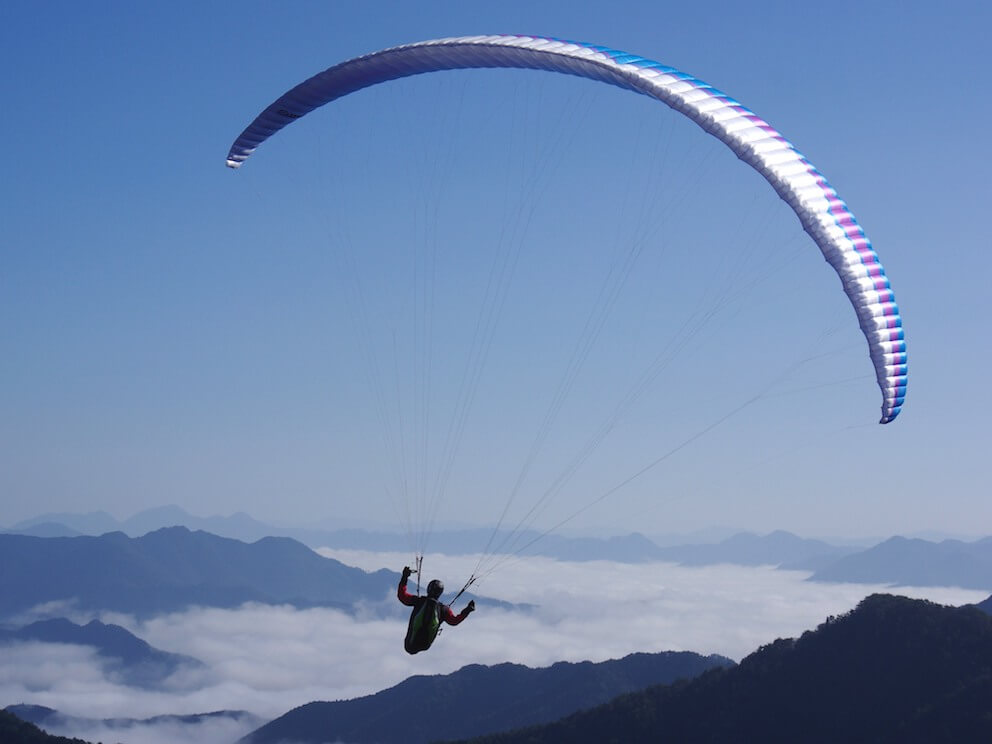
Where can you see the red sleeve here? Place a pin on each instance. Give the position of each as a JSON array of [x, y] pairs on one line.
[[404, 596], [451, 618]]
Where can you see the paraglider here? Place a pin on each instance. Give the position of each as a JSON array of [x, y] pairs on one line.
[[427, 614], [822, 213]]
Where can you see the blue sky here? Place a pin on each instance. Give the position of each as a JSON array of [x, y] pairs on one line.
[[173, 332]]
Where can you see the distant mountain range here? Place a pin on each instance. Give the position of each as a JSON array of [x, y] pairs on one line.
[[777, 548], [477, 700], [127, 658], [741, 548], [47, 529], [906, 562], [892, 670], [897, 561], [243, 527], [240, 526], [172, 569]]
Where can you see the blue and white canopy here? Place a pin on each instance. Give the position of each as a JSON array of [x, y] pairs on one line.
[[822, 213]]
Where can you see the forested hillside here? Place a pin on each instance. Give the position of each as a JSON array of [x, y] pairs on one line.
[[892, 670]]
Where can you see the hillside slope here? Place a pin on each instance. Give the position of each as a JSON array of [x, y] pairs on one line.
[[15, 731], [172, 569], [128, 658], [478, 699], [892, 670]]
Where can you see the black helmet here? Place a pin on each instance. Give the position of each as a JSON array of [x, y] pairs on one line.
[[435, 589]]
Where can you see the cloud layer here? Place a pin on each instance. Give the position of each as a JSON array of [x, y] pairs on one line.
[[267, 659]]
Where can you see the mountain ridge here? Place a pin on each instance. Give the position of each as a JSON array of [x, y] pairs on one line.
[[901, 670], [904, 561], [897, 561], [125, 656], [174, 568], [15, 730], [741, 548], [476, 699]]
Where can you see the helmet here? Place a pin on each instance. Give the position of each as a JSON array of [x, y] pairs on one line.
[[435, 589]]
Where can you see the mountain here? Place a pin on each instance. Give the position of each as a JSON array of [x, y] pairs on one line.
[[906, 562], [126, 657], [44, 529], [892, 670], [14, 730], [172, 569], [90, 523], [239, 526], [777, 548], [985, 605], [631, 548], [478, 699], [743, 548], [898, 561]]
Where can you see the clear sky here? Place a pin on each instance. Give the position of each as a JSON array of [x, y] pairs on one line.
[[174, 332]]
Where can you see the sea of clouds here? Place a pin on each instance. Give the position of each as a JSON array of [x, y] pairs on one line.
[[269, 659]]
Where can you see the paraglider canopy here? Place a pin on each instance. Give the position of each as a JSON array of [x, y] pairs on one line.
[[822, 213]]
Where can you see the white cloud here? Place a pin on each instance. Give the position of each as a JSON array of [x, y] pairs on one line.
[[267, 659], [600, 609], [42, 668], [166, 732]]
